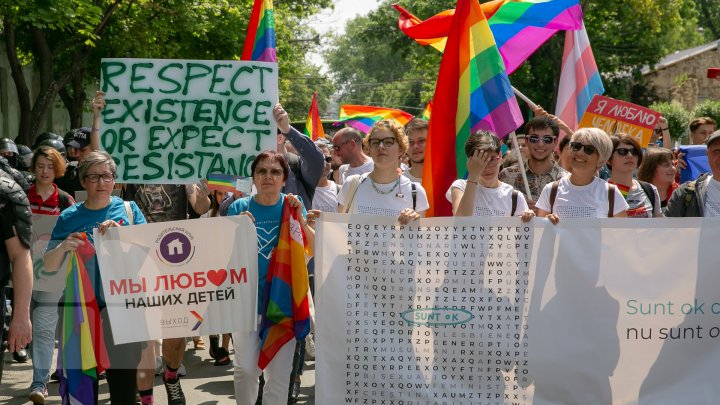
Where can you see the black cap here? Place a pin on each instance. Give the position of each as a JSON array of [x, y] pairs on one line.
[[81, 138], [713, 137]]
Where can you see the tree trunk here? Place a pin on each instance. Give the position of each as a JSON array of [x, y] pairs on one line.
[[74, 102], [23, 93]]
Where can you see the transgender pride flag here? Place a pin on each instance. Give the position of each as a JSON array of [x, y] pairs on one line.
[[579, 79]]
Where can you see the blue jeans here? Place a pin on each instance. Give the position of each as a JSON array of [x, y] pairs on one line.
[[44, 323]]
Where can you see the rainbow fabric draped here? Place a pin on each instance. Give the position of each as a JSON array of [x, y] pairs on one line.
[[472, 92], [518, 26], [286, 311], [363, 117], [82, 355], [260, 38], [313, 125]]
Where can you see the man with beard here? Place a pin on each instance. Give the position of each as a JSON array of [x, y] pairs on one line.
[[540, 168], [416, 131]]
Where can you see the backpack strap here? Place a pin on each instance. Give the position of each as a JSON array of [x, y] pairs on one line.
[[354, 183], [611, 200], [689, 193], [647, 188], [413, 192], [553, 194], [514, 198], [129, 213]]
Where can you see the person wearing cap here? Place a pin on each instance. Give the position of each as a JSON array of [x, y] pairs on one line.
[[700, 197]]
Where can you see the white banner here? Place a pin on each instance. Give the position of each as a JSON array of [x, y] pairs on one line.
[[472, 310], [51, 281], [180, 278]]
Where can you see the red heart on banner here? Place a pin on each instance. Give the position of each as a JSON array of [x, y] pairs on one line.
[[217, 277]]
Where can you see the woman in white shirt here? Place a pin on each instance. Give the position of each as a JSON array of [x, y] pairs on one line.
[[384, 191], [483, 194], [582, 194]]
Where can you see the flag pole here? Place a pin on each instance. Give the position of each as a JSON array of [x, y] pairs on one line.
[[524, 98], [521, 164]]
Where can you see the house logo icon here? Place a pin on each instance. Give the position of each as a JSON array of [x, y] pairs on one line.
[[176, 248]]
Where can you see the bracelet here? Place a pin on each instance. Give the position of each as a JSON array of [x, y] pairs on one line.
[[95, 130], [475, 182]]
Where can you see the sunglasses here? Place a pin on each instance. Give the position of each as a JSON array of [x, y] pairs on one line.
[[588, 149], [625, 151], [547, 139]]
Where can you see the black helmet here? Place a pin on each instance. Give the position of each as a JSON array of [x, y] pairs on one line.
[[44, 136], [25, 158], [54, 143], [9, 150], [69, 136]]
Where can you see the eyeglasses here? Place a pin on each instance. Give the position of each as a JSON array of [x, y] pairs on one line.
[[337, 147], [328, 159], [588, 149], [386, 142], [106, 177], [263, 172], [547, 139], [625, 151]]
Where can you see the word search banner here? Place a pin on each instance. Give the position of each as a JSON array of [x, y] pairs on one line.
[[175, 121], [178, 279], [493, 311]]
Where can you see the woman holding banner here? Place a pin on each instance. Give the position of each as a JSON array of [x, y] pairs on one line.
[[582, 194], [254, 351], [642, 198], [74, 233]]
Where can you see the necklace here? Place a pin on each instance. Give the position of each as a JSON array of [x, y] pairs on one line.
[[374, 186]]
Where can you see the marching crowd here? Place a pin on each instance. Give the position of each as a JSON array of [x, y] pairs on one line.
[[561, 174]]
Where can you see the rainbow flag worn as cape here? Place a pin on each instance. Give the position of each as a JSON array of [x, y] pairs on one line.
[[518, 26], [286, 313], [260, 38], [472, 92], [313, 125], [363, 117], [82, 355]]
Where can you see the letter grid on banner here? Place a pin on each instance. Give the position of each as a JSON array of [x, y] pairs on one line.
[[492, 311], [178, 279], [175, 121]]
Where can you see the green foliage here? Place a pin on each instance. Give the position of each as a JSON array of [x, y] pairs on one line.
[[678, 118], [708, 108]]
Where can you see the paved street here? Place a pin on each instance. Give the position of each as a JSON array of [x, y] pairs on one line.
[[205, 383]]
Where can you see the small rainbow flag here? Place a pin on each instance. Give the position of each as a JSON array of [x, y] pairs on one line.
[[260, 39], [286, 311], [313, 125], [82, 355], [472, 92], [222, 182], [518, 26], [363, 117], [427, 111]]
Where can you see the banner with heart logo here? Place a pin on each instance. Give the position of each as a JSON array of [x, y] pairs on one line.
[[181, 278]]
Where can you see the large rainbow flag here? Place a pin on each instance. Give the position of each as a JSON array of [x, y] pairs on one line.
[[260, 38], [286, 311], [82, 355], [313, 125], [363, 117], [472, 92], [518, 26]]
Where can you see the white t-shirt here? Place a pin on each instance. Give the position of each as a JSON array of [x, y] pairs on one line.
[[712, 198], [347, 171], [492, 202], [412, 178], [368, 201], [640, 205], [589, 201], [325, 198]]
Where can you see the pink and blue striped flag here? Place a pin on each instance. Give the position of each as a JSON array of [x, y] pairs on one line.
[[260, 39], [518, 26], [579, 79], [472, 92], [286, 310]]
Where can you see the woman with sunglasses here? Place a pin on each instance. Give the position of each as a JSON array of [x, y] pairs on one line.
[[642, 198], [582, 194], [384, 191], [658, 168], [483, 194]]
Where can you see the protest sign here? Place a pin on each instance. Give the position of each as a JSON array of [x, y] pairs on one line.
[[489, 310], [179, 279], [50, 281], [175, 121], [617, 116]]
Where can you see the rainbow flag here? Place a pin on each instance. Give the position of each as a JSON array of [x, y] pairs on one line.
[[472, 92], [363, 117], [579, 79], [313, 125], [82, 355], [427, 111], [222, 182], [260, 39], [518, 26], [286, 312]]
